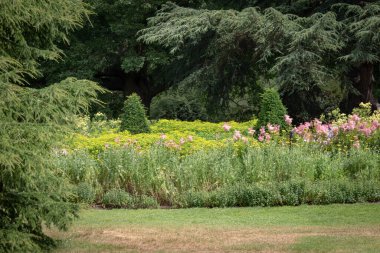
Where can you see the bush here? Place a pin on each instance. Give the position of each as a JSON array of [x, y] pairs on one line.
[[134, 117], [287, 193], [362, 164], [271, 108], [117, 198], [144, 201], [85, 193], [178, 105]]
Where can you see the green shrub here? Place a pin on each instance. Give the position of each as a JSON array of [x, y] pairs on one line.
[[117, 198], [362, 164], [271, 108], [286, 193], [134, 117], [144, 201], [85, 193], [180, 105]]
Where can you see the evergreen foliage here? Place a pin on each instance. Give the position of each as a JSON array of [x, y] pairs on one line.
[[302, 54], [33, 122], [271, 109], [182, 104], [134, 117]]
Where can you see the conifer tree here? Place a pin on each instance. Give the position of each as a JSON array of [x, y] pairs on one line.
[[306, 56], [33, 122], [271, 109], [134, 117]]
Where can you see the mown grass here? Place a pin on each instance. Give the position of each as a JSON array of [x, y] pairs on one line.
[[332, 228]]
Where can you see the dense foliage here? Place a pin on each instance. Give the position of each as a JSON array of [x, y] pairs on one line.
[[306, 56], [186, 164], [319, 54], [186, 60], [272, 110], [134, 117], [33, 122]]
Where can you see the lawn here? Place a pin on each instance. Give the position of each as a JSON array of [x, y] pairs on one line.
[[332, 228]]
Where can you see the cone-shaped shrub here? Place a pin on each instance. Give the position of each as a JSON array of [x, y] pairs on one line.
[[134, 117], [271, 108]]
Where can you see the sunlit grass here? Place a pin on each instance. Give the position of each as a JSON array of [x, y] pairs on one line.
[[332, 228]]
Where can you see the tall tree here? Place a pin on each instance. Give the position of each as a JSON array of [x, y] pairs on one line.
[[34, 121], [302, 55], [106, 50], [362, 52]]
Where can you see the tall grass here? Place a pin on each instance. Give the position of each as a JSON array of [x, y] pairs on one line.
[[269, 175]]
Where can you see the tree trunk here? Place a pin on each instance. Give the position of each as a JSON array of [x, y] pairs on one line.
[[362, 80], [365, 84]]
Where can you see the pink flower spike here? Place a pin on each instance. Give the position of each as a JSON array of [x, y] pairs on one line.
[[375, 125], [251, 131], [226, 127], [267, 137], [261, 138], [237, 135], [182, 141], [355, 118], [271, 128], [163, 136], [244, 139], [288, 120], [190, 138], [117, 139]]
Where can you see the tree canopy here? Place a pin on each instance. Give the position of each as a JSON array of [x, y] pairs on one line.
[[33, 122], [319, 54], [305, 56]]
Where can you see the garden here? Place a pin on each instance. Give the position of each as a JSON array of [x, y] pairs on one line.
[[189, 126], [202, 164]]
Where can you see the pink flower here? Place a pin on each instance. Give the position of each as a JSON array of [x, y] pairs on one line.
[[322, 129], [355, 118], [244, 139], [163, 136], [226, 127], [288, 120], [262, 130], [301, 129], [365, 130], [375, 125], [182, 141], [267, 137], [106, 145], [171, 144], [273, 128], [261, 138], [190, 138], [117, 139], [237, 135], [251, 131], [351, 125]]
